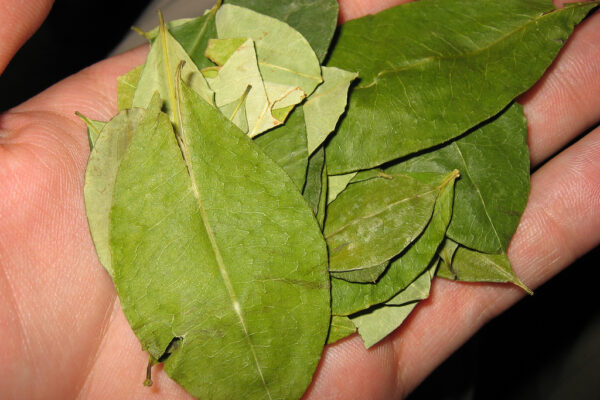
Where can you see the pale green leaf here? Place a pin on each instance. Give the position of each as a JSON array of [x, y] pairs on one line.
[[251, 315], [341, 327], [219, 50], [159, 71], [447, 251], [473, 266], [101, 173], [236, 111], [492, 191], [349, 298], [93, 129], [241, 72], [324, 107], [375, 324], [283, 97], [286, 145], [313, 188], [380, 322], [273, 40], [363, 275], [446, 255], [432, 69], [372, 221], [337, 184], [418, 290], [316, 20], [126, 86]]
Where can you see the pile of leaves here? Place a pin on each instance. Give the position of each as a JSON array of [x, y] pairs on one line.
[[257, 196]]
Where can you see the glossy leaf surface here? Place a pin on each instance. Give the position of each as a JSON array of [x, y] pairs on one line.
[[425, 64], [492, 191], [251, 315]]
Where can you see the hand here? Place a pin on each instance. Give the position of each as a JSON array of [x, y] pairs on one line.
[[63, 331]]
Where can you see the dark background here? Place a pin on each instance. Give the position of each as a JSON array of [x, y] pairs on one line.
[[546, 347]]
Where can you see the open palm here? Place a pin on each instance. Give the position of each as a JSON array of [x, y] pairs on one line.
[[64, 335]]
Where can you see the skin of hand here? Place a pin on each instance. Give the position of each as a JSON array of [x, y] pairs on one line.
[[63, 332]]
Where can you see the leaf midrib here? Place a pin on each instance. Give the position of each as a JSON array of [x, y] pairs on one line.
[[431, 59], [485, 209], [380, 211], [213, 242]]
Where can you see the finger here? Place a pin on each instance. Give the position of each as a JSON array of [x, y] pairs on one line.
[[350, 9], [561, 223], [566, 101], [48, 120], [18, 21]]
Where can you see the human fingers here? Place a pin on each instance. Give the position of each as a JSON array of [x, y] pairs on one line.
[[18, 21], [350, 9]]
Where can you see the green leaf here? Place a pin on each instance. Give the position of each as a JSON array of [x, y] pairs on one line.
[[363, 275], [286, 145], [372, 221], [194, 34], [126, 86], [349, 298], [101, 173], [219, 50], [337, 184], [492, 191], [324, 107], [473, 266], [418, 290], [159, 71], [425, 65], [314, 188], [198, 258], [341, 327], [375, 324], [272, 39], [446, 255], [241, 72], [322, 208], [93, 129], [316, 20]]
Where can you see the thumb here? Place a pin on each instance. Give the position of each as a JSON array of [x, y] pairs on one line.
[[19, 19]]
